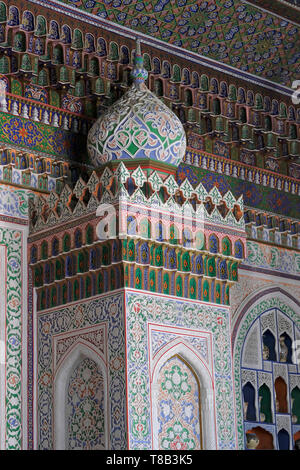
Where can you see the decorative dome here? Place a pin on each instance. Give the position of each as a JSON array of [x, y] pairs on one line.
[[138, 125]]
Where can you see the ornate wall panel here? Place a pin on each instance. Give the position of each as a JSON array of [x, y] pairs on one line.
[[194, 317], [178, 407], [58, 330], [272, 257], [13, 293], [40, 137], [265, 265], [14, 203], [273, 376], [85, 407]]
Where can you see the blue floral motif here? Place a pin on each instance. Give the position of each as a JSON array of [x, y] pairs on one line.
[[188, 411], [184, 172], [140, 6], [14, 341], [15, 266], [251, 193], [278, 200], [22, 132], [90, 4], [166, 410], [13, 421], [13, 203], [168, 18]]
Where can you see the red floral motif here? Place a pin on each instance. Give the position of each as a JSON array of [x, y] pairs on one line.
[[177, 444], [137, 307], [13, 380], [14, 302], [46, 379]]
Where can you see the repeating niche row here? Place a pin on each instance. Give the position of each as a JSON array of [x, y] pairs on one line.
[[112, 278], [259, 438], [36, 36], [148, 253], [285, 351], [68, 242], [157, 280], [23, 161], [173, 235], [265, 412], [76, 263], [88, 285]]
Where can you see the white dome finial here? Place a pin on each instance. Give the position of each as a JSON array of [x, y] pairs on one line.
[[138, 126]]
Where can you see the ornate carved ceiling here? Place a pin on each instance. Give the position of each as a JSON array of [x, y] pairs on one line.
[[232, 32]]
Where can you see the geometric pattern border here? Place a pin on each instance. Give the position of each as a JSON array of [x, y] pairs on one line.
[[12, 239]]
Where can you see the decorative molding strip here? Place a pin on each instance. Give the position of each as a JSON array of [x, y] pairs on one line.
[[273, 258], [269, 272], [86, 197], [15, 300], [242, 171], [45, 113]]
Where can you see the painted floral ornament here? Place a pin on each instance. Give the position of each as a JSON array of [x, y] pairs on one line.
[[138, 126]]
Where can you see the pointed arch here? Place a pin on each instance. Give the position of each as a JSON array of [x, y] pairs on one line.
[[281, 395], [80, 351], [283, 440], [269, 346], [249, 402], [189, 356], [101, 47], [226, 246]]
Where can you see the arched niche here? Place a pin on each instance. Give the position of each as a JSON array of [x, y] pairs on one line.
[[101, 47], [53, 30], [295, 403], [13, 16], [285, 348], [283, 440], [166, 69], [188, 97], [249, 402], [281, 395], [66, 372], [178, 406], [265, 440], [269, 352], [257, 314], [156, 66], [124, 59], [265, 404], [199, 370]]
